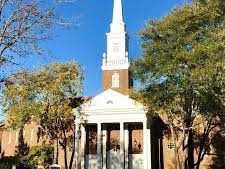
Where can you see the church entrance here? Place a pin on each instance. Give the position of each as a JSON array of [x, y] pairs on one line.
[[113, 147], [135, 157]]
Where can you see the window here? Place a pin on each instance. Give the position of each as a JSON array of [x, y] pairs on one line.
[[116, 80]]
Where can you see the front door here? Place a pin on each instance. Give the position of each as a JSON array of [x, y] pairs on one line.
[[113, 149]]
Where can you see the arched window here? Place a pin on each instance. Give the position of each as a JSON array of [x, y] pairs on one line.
[[115, 80]]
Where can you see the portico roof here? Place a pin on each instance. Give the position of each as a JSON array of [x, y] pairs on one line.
[[112, 106]]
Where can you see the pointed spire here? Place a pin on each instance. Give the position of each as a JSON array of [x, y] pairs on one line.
[[117, 12], [116, 57], [117, 21]]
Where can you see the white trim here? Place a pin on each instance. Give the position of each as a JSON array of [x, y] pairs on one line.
[[122, 144], [116, 67], [104, 156], [83, 144], [99, 143], [126, 145]]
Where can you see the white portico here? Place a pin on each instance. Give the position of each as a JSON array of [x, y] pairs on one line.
[[114, 129], [115, 133]]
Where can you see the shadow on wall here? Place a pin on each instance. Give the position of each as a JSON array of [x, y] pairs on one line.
[[136, 161], [26, 157], [90, 162], [157, 128], [114, 160], [21, 150], [113, 163]]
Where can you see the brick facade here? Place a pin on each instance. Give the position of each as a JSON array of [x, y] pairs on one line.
[[125, 82], [9, 142]]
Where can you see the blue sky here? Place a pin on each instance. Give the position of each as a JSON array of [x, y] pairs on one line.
[[86, 42]]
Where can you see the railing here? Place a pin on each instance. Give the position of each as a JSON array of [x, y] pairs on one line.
[[115, 62]]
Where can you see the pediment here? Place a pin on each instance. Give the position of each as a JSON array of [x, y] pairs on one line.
[[111, 99]]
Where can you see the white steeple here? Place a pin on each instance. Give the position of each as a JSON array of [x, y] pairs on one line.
[[117, 48], [117, 21]]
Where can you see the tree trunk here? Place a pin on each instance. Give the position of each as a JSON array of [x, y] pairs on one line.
[[188, 121], [72, 159], [57, 151], [65, 156], [197, 165], [190, 150], [73, 147]]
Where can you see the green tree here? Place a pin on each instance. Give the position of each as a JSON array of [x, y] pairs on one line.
[[37, 155], [7, 162], [46, 96], [182, 72]]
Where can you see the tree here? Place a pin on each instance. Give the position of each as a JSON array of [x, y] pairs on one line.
[[46, 96], [37, 155], [23, 25], [182, 72]]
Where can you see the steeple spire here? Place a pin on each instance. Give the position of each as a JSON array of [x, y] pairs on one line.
[[117, 12], [116, 56], [117, 20], [115, 63]]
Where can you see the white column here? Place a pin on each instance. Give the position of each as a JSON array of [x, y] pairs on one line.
[[147, 145], [99, 153], [104, 139], [126, 146], [76, 143], [122, 144], [83, 144]]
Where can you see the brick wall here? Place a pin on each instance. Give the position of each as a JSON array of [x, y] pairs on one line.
[[125, 80], [9, 141]]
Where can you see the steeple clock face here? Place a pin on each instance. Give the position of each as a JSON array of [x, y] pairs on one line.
[[115, 80]]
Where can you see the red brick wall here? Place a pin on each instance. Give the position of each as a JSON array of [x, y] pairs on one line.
[[124, 80], [9, 141]]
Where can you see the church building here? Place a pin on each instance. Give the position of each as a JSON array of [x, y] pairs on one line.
[[114, 129]]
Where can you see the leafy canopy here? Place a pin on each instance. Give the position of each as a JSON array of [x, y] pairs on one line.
[[182, 72], [29, 94], [184, 52]]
